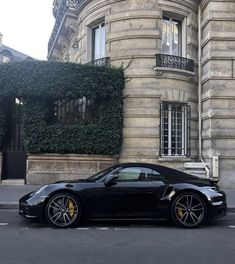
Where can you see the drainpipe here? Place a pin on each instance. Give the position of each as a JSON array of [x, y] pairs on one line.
[[207, 169], [199, 83]]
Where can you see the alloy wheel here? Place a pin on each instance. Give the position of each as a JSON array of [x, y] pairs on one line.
[[63, 210], [189, 210]]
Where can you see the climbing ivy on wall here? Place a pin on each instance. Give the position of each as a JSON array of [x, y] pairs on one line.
[[38, 84]]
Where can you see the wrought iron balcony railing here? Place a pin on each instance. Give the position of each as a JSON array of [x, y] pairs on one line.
[[66, 5], [100, 62], [176, 62]]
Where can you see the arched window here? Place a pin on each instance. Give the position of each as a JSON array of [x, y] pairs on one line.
[[6, 56]]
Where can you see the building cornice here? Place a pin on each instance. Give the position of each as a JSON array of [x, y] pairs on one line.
[[204, 3]]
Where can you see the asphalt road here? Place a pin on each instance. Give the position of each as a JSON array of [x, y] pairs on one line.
[[24, 242]]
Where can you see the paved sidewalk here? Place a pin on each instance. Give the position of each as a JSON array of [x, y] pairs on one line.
[[10, 194], [230, 193]]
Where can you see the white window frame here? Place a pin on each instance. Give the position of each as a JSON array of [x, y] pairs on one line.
[[177, 134], [100, 40], [183, 35]]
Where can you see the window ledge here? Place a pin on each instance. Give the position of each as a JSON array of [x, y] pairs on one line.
[[171, 158], [160, 70]]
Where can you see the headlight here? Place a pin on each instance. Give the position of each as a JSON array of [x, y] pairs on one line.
[[40, 191]]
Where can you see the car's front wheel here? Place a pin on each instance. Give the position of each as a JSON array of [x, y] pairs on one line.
[[63, 210], [189, 210]]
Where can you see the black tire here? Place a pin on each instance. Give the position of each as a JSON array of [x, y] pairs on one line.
[[63, 210], [189, 210]]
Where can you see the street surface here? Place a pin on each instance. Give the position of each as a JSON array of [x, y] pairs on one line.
[[25, 242]]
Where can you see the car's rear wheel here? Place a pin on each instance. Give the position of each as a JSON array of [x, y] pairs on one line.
[[189, 210], [63, 210]]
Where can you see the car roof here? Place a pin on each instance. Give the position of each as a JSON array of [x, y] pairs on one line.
[[167, 172], [141, 164]]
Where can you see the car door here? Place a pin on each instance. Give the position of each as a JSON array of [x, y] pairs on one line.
[[132, 195], [139, 197]]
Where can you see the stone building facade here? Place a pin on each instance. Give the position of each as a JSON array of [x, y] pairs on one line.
[[178, 56]]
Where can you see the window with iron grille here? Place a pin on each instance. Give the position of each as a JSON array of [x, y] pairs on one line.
[[74, 110], [175, 129]]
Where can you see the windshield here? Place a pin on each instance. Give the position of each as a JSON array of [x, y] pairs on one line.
[[101, 174]]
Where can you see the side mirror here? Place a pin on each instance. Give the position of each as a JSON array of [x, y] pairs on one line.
[[111, 179]]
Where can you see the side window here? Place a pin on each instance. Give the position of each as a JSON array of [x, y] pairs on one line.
[[154, 176], [129, 174], [139, 174], [150, 175]]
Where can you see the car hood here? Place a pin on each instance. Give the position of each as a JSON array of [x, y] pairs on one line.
[[48, 188], [68, 182], [71, 181]]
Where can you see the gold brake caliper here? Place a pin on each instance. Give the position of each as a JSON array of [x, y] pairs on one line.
[[180, 213], [71, 208]]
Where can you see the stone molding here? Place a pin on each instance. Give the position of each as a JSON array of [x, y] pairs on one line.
[[159, 71], [46, 168]]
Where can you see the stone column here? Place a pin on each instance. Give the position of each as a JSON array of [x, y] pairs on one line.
[[218, 49]]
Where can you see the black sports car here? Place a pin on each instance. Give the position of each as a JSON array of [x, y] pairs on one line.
[[127, 191]]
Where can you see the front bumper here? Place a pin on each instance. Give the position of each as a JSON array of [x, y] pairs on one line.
[[32, 207], [219, 210]]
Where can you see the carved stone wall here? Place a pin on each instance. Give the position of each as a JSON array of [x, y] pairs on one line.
[[47, 168], [218, 86]]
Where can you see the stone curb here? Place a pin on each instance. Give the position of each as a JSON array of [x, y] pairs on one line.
[[9, 205], [231, 210]]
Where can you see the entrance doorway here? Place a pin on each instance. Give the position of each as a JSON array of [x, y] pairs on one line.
[[14, 153]]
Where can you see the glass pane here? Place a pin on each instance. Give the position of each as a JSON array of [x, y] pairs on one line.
[[166, 37], [173, 130], [102, 41], [97, 44], [171, 37], [129, 174], [176, 38], [177, 129], [165, 130], [153, 176]]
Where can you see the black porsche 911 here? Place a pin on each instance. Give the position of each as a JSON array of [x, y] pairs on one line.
[[127, 191]]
